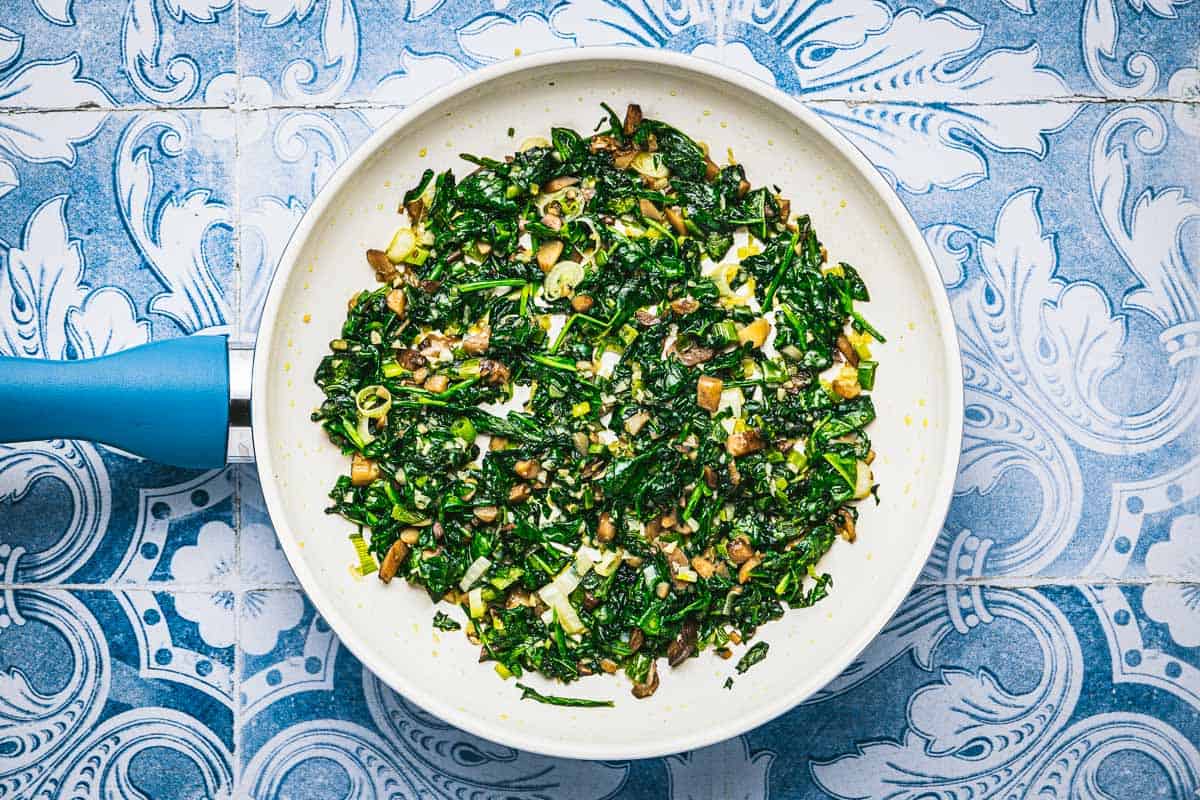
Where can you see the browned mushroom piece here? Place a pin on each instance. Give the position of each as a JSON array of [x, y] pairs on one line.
[[650, 685], [581, 303], [552, 221], [847, 388], [636, 639], [392, 560], [606, 531], [847, 350], [609, 666], [410, 359], [385, 270], [493, 372], [676, 562], [527, 469], [429, 287], [744, 443], [410, 536], [623, 158], [561, 182], [519, 493], [749, 567], [649, 210], [696, 354], [785, 208], [633, 118], [708, 393], [635, 422], [675, 216], [416, 210], [437, 383], [704, 568], [743, 187], [476, 344], [548, 253], [363, 470], [397, 301], [646, 317], [685, 305], [684, 645], [710, 477], [600, 143], [739, 550], [486, 513], [711, 170], [846, 525], [652, 529], [754, 333]]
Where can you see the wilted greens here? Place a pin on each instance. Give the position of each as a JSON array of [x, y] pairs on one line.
[[609, 398]]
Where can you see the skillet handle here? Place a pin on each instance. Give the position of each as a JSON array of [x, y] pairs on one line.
[[167, 401]]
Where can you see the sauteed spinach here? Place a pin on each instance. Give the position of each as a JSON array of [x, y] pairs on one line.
[[609, 397]]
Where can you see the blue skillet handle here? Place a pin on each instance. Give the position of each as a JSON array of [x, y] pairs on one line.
[[167, 401]]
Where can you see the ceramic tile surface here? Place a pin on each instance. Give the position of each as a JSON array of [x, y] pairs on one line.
[[155, 155]]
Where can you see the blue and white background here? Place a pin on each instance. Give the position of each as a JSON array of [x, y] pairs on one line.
[[156, 154]]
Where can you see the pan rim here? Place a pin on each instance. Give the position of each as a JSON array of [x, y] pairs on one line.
[[757, 715]]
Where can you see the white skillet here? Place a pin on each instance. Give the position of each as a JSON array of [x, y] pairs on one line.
[[173, 400]]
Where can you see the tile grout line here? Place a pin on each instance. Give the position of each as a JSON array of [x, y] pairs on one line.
[[238, 598], [367, 105]]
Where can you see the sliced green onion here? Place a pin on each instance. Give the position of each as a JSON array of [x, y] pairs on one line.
[[373, 402], [866, 374], [404, 242], [474, 572], [366, 562], [862, 480], [581, 409], [651, 165], [608, 563], [475, 603], [727, 330], [392, 370], [464, 429], [562, 278]]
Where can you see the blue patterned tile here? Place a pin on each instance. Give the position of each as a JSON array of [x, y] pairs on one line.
[[108, 694], [1015, 690], [262, 562], [78, 513], [974, 51], [132, 212], [392, 53], [287, 155], [142, 52], [1068, 271], [1066, 232]]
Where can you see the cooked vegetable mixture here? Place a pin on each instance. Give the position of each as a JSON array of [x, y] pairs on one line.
[[609, 398]]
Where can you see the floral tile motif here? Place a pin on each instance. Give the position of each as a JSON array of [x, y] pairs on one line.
[[969, 52], [1018, 690], [382, 53], [79, 513], [155, 156], [142, 52], [111, 693], [287, 156]]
